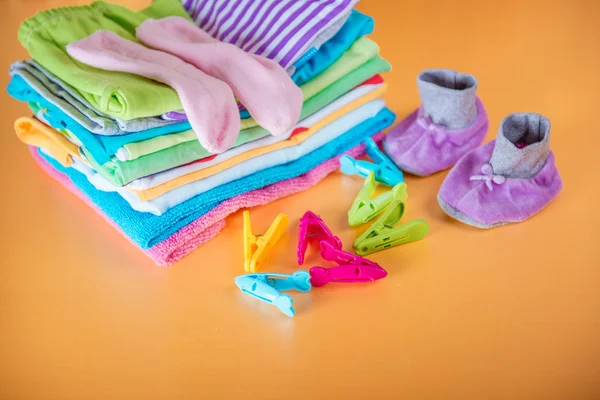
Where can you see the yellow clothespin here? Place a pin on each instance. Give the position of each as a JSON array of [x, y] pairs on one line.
[[256, 247]]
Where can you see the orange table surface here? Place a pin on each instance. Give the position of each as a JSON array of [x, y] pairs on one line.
[[507, 313]]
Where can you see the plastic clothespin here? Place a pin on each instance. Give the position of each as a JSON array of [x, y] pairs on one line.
[[366, 208], [257, 247], [384, 234], [340, 257], [385, 170], [350, 269], [312, 228], [266, 288]]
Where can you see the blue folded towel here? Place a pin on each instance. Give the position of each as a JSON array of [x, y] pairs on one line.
[[146, 230]]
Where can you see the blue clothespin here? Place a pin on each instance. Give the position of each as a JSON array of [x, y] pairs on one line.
[[385, 170], [266, 287]]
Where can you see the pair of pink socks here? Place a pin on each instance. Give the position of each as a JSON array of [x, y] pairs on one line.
[[206, 74]]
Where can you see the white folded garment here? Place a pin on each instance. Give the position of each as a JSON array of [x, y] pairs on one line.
[[163, 203]]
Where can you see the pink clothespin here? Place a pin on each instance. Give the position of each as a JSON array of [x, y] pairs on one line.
[[340, 257], [312, 228], [351, 268]]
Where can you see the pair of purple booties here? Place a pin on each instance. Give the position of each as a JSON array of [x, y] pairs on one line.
[[506, 180]]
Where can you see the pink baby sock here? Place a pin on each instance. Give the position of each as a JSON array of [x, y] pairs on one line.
[[262, 85], [208, 102]]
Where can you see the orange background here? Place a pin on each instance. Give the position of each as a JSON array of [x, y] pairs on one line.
[[509, 313]]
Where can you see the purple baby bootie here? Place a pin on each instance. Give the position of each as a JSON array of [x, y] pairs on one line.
[[450, 122], [509, 179]]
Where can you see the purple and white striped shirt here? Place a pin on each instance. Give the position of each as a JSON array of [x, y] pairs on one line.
[[282, 30]]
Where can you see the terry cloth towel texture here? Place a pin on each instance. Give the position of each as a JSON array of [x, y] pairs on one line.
[[209, 225], [147, 230]]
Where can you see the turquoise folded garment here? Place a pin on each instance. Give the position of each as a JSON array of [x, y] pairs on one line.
[[355, 27], [68, 99], [101, 146], [316, 61], [147, 230]]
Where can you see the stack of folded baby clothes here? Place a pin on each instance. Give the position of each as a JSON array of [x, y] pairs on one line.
[[169, 119]]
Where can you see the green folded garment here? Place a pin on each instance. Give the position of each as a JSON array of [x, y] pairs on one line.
[[119, 94], [358, 54], [119, 173], [363, 50]]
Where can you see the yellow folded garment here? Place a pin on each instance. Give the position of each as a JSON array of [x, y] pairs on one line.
[[156, 191], [34, 133]]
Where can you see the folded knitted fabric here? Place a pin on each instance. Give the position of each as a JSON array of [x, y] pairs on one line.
[[370, 87], [77, 107], [356, 65], [65, 97], [210, 224], [263, 86], [122, 95], [508, 180], [357, 26], [132, 151], [359, 52], [324, 139], [178, 177], [315, 60], [27, 130], [119, 173], [208, 102], [34, 133], [282, 31], [103, 146], [450, 122], [42, 123], [245, 154], [147, 230]]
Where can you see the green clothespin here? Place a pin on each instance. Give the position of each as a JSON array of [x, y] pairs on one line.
[[366, 208], [383, 234]]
